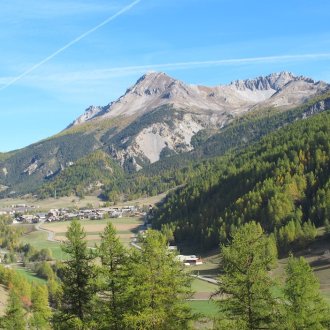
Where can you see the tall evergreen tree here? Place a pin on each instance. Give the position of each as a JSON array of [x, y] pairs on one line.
[[40, 319], [159, 287], [305, 308], [78, 275], [113, 279], [245, 285]]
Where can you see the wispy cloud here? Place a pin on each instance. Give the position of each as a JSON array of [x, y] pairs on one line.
[[70, 44], [69, 79], [120, 71]]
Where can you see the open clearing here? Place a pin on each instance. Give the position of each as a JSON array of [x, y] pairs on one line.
[[39, 240], [126, 228]]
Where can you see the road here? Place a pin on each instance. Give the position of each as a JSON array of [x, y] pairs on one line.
[[51, 234]]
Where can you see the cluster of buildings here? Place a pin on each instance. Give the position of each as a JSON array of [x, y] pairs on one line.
[[17, 209], [30, 214]]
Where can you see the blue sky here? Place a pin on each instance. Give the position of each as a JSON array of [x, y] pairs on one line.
[[57, 57]]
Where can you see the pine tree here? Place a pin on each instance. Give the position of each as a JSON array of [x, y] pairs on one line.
[[40, 319], [245, 285], [77, 281], [159, 287], [113, 282], [305, 308]]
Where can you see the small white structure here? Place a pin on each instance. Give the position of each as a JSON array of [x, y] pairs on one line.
[[189, 260]]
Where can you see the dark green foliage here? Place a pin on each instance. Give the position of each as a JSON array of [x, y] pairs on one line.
[[158, 288], [78, 275], [113, 280], [282, 181], [245, 286], [135, 289], [304, 307]]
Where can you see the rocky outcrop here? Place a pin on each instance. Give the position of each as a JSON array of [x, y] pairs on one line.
[[155, 89], [317, 107], [203, 108]]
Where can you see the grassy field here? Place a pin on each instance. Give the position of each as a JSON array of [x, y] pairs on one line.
[[208, 308], [29, 275], [38, 239], [126, 228]]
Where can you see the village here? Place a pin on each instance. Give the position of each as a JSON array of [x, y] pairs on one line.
[[26, 214], [22, 213]]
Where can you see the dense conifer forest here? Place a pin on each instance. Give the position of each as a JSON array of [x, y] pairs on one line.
[[282, 182]]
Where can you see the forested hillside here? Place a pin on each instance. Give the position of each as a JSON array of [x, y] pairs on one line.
[[176, 170], [85, 175], [24, 169], [281, 182]]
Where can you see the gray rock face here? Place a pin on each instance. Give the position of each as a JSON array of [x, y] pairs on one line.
[[156, 89], [203, 107]]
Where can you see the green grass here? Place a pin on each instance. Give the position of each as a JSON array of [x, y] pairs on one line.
[[38, 240], [29, 275], [208, 308], [198, 285]]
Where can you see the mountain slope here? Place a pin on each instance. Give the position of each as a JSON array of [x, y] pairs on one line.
[[159, 117], [282, 182], [175, 170]]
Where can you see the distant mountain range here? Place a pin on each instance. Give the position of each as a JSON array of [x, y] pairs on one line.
[[156, 119]]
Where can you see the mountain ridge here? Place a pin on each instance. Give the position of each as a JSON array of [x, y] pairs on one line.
[[156, 88], [157, 118]]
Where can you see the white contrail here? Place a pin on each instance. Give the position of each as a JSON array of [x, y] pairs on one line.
[[71, 43]]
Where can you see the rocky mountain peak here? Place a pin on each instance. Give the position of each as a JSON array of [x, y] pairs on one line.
[[152, 83], [155, 89], [275, 81]]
